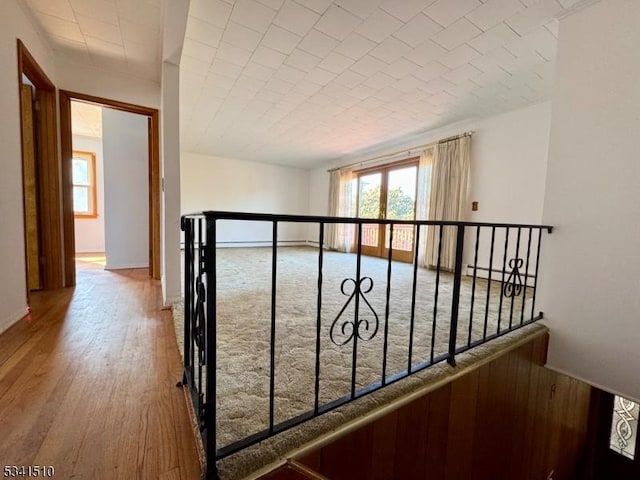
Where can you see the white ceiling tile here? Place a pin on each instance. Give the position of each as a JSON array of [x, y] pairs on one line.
[[225, 68], [430, 71], [535, 16], [400, 68], [141, 53], [337, 23], [493, 59], [318, 6], [219, 81], [278, 85], [99, 29], [494, 38], [257, 71], [280, 39], [379, 26], [390, 50], [458, 57], [307, 87], [212, 11], [58, 8], [203, 32], [320, 76], [350, 79], [317, 43], [426, 52], [524, 62], [192, 65], [379, 80], [252, 14], [232, 54], [289, 74], [362, 91], [388, 94], [274, 4], [200, 51], [361, 8], [441, 98], [302, 60], [462, 74], [405, 10], [268, 57], [295, 18], [336, 63], [417, 30], [60, 28], [445, 12], [544, 42], [408, 84], [368, 65], [103, 10], [100, 47], [355, 46], [456, 34], [553, 26], [241, 36], [140, 33], [493, 12]]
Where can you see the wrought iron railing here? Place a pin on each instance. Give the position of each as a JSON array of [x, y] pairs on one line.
[[500, 296]]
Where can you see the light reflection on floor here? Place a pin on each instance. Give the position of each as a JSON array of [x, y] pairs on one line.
[[93, 258]]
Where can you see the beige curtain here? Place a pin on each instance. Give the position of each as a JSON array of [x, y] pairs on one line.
[[339, 236], [447, 198], [422, 201]]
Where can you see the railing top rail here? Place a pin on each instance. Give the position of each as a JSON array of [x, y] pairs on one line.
[[270, 217]]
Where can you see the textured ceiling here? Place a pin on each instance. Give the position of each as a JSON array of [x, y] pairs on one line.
[[86, 119], [298, 82], [116, 35]]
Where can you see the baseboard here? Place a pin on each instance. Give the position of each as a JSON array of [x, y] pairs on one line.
[[124, 266], [256, 243], [12, 319]]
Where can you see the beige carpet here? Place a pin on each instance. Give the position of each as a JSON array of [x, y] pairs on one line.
[[244, 286]]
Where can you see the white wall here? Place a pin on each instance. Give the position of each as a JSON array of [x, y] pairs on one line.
[[215, 183], [590, 287], [126, 179], [508, 167], [89, 232], [14, 24]]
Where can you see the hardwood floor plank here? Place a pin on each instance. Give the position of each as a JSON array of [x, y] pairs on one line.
[[88, 385]]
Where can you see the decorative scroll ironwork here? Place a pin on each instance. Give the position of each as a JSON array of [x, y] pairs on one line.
[[513, 286], [625, 421], [351, 328]]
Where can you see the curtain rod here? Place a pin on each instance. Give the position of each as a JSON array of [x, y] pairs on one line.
[[389, 155]]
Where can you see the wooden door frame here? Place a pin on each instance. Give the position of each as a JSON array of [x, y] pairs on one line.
[[49, 213], [384, 169], [67, 182]]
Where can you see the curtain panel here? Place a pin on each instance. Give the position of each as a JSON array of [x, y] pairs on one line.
[[340, 236], [447, 199]]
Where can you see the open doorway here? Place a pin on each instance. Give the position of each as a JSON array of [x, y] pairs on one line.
[[122, 224]]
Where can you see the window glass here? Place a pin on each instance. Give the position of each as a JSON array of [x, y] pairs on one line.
[[624, 427]]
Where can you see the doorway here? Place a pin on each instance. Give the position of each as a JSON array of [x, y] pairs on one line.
[[151, 201], [388, 192]]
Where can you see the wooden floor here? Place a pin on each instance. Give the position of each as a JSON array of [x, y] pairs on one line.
[[87, 384]]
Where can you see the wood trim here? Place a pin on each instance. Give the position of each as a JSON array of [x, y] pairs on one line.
[[49, 214], [154, 176]]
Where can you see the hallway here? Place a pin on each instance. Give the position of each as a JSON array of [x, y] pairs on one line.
[[87, 385]]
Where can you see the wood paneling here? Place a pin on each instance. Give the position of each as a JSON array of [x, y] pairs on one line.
[[87, 383], [30, 189], [510, 419]]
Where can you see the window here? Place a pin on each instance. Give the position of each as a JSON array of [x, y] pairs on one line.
[[624, 427], [84, 185]]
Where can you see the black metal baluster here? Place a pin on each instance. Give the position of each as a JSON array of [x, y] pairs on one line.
[[526, 276], [517, 258], [413, 302], [535, 279], [455, 301], [486, 311], [319, 317], [504, 267], [187, 228], [272, 377], [386, 311], [357, 312], [211, 346], [435, 301], [473, 285], [202, 322]]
